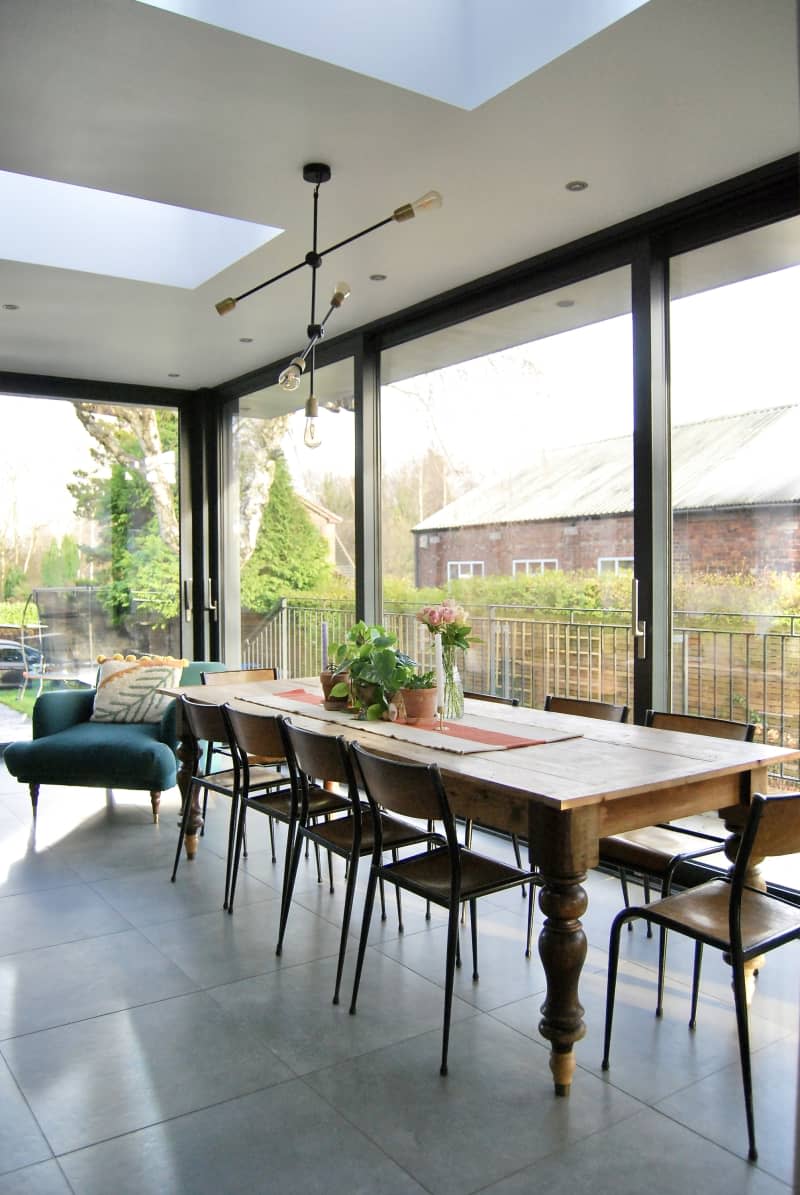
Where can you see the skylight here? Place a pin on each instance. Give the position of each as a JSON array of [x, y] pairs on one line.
[[463, 52], [75, 228]]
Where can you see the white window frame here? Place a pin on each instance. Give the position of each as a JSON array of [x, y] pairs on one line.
[[543, 564], [619, 563], [457, 570]]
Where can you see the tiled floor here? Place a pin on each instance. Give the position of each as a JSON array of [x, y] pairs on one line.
[[151, 1043]]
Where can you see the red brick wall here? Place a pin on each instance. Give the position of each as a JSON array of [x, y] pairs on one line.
[[715, 541]]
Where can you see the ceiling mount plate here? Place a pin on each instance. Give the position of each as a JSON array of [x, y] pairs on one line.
[[316, 172]]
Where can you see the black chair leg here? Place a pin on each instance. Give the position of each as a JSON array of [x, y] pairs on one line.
[[237, 855], [349, 893], [518, 857], [646, 886], [623, 879], [288, 887], [698, 963], [399, 898], [272, 837], [369, 901], [450, 963], [742, 1024], [187, 808], [531, 910], [613, 962], [473, 922], [662, 968], [232, 822]]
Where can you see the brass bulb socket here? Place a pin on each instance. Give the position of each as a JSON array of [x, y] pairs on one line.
[[404, 212], [225, 305]]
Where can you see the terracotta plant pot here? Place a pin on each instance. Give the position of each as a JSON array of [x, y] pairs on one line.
[[328, 680], [419, 705]]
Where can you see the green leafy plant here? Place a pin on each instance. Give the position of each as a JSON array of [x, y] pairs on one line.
[[420, 680], [375, 667]]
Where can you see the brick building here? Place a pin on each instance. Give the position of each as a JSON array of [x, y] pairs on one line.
[[736, 504]]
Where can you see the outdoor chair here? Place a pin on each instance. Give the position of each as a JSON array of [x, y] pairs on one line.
[[320, 765], [445, 875], [741, 921], [583, 708]]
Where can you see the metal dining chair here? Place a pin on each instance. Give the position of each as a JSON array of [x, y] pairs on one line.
[[206, 728], [741, 921], [656, 852], [319, 765], [445, 875]]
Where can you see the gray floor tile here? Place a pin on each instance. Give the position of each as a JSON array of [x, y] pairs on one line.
[[285, 1140], [23, 868], [714, 1108], [114, 1074], [494, 1113], [291, 1010], [645, 1155], [43, 988], [21, 1141], [149, 898], [216, 948], [32, 920], [45, 1179]]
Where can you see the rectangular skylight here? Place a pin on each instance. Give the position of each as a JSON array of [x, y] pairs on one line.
[[56, 224]]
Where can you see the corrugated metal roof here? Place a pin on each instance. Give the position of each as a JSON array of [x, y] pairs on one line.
[[735, 460]]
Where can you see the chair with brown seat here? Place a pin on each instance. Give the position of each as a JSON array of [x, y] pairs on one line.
[[239, 676], [318, 762], [257, 742], [205, 727], [731, 916], [445, 875], [656, 852], [583, 708]]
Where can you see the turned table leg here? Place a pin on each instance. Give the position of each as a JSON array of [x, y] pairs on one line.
[[188, 760], [564, 846]]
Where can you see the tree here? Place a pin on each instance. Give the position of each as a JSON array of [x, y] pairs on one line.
[[290, 554], [60, 563]]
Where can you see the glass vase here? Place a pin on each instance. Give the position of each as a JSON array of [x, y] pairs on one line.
[[453, 688]]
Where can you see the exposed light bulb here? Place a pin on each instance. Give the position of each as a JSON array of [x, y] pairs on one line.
[[290, 378], [311, 438], [425, 203], [341, 293]]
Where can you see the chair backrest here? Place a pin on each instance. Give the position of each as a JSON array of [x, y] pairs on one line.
[[322, 757], [193, 672], [254, 734], [772, 828], [241, 676], [410, 789], [586, 709], [691, 724], [492, 697], [203, 721]]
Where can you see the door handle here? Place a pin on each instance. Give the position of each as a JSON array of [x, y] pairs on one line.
[[638, 626], [211, 605], [187, 599]]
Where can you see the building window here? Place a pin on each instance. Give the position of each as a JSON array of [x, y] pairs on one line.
[[614, 564], [526, 567], [456, 569]]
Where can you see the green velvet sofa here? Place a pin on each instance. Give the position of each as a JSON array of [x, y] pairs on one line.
[[68, 749]]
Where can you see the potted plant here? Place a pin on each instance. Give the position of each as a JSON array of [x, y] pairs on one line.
[[370, 669], [417, 697]]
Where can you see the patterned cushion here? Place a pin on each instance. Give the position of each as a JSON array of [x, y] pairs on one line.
[[127, 689]]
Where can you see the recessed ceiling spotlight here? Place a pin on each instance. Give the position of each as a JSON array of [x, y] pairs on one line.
[[377, 277], [565, 303], [173, 375], [245, 340], [11, 307], [576, 184]]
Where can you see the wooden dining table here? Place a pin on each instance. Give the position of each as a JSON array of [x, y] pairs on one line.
[[563, 782]]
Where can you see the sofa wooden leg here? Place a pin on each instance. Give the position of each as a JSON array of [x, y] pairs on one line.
[[155, 801], [34, 797]]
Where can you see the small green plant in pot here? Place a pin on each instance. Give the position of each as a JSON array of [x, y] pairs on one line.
[[375, 669], [416, 699]]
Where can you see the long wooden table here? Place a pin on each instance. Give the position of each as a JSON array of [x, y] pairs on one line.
[[589, 779]]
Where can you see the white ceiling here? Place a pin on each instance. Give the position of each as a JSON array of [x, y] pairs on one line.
[[123, 97]]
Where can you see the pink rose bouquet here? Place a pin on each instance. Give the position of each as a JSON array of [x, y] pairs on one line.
[[450, 621]]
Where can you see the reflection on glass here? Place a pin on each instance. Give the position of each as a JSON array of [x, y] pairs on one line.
[[296, 524], [736, 481], [507, 483]]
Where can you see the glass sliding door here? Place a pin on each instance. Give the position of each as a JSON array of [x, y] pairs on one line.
[[507, 485], [736, 481], [89, 543], [289, 553]]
